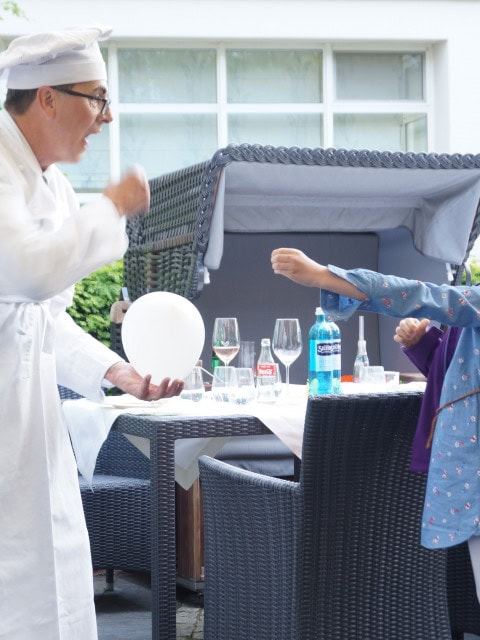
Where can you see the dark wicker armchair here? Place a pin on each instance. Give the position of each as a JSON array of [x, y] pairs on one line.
[[117, 508], [336, 556], [462, 597]]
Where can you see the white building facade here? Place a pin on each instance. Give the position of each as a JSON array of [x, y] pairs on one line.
[[187, 77]]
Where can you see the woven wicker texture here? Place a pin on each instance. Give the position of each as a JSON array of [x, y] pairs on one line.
[[116, 339], [168, 244], [463, 603], [324, 157], [336, 556], [163, 249]]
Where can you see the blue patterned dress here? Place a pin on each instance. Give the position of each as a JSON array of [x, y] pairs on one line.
[[452, 500]]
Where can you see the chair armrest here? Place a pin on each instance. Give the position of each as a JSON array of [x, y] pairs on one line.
[[253, 530]]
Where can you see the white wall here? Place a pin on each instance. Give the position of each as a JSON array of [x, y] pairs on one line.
[[450, 26]]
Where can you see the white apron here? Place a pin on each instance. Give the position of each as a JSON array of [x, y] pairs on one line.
[[46, 244]]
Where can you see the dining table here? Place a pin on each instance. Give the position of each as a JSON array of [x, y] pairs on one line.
[[174, 434]]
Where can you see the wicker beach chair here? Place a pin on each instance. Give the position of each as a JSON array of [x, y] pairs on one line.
[[174, 246], [336, 556], [404, 213]]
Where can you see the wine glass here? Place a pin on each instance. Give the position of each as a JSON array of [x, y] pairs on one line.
[[226, 339], [287, 344]]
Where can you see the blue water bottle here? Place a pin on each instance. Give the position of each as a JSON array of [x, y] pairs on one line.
[[337, 356], [320, 356]]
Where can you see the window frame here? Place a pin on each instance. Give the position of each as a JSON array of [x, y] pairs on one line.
[[222, 109]]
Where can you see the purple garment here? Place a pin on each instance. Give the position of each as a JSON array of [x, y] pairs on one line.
[[432, 356]]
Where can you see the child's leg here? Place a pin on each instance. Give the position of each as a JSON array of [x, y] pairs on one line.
[[474, 549]]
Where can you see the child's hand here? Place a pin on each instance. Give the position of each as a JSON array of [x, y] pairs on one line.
[[410, 331]]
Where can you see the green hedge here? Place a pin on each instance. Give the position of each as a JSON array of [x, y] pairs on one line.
[[475, 271], [94, 295]]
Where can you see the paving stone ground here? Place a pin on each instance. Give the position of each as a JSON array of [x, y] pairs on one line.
[[125, 613]]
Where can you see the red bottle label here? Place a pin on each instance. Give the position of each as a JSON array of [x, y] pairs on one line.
[[266, 369]]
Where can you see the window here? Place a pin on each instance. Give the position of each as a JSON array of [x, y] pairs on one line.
[[382, 131], [165, 142], [174, 107], [379, 76], [274, 96], [381, 97], [167, 76], [274, 76]]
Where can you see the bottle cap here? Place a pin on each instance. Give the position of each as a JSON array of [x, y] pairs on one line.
[[318, 311]]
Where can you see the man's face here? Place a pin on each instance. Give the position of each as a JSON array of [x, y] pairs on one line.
[[77, 118]]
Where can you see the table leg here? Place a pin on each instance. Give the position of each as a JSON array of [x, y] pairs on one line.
[[189, 535], [162, 476], [163, 579]]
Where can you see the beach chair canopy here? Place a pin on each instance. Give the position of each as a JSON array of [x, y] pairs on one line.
[[413, 215]]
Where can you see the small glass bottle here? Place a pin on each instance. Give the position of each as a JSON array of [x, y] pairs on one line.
[[266, 374], [320, 356], [361, 359]]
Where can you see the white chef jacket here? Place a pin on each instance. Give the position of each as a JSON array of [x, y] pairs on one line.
[[47, 243]]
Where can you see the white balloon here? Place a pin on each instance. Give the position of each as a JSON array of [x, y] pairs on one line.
[[163, 334]]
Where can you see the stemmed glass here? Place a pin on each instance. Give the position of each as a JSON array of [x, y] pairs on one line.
[[287, 344], [226, 339]]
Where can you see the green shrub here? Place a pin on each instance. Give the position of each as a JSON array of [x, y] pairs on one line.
[[12, 7], [475, 271], [474, 265], [94, 295]]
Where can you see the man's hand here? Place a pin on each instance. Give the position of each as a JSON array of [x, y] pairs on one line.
[[124, 376], [131, 195], [410, 330]]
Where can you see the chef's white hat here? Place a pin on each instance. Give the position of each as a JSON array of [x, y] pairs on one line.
[[57, 57]]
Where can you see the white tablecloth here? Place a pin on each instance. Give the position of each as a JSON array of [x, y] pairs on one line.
[[89, 424]]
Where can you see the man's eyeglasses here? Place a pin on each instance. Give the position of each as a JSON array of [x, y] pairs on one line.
[[102, 103]]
